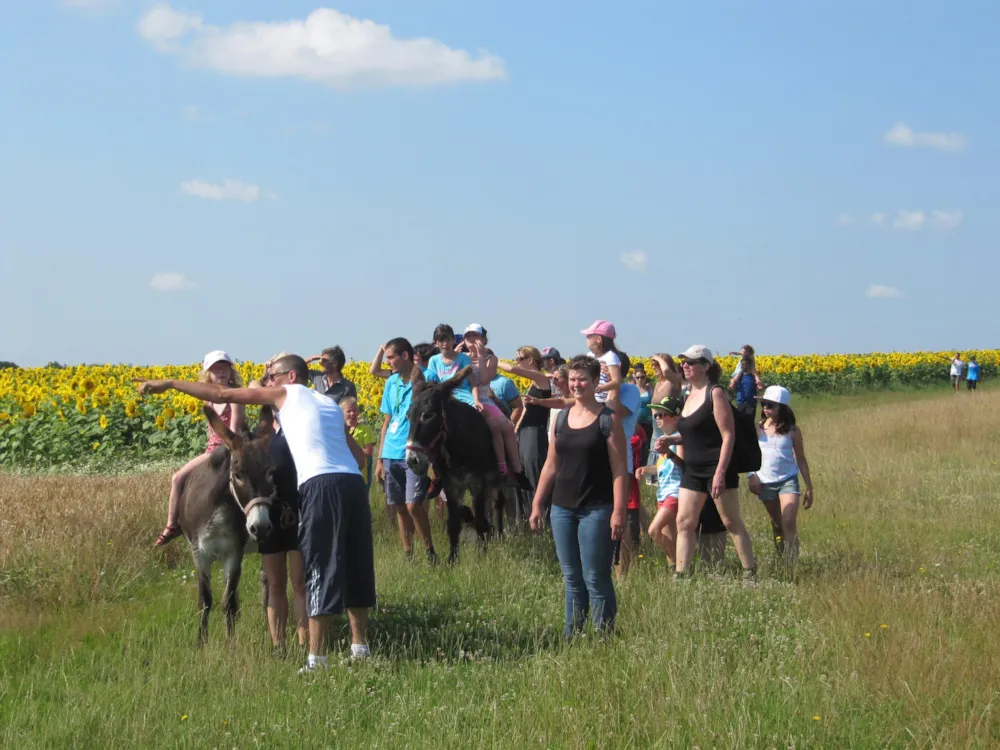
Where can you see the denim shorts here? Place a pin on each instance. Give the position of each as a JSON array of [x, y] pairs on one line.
[[771, 490], [402, 485]]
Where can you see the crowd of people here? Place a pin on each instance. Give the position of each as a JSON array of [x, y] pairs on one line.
[[574, 450]]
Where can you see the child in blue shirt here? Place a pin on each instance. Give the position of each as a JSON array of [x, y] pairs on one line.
[[663, 529], [972, 374]]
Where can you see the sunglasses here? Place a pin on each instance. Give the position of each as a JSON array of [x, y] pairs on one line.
[[699, 361], [273, 375], [660, 414], [769, 404]]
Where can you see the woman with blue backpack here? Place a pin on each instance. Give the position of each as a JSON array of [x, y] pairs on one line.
[[708, 428]]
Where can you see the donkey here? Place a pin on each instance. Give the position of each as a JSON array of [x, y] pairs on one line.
[[454, 438], [225, 502]]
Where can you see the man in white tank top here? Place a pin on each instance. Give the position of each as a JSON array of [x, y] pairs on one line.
[[335, 527]]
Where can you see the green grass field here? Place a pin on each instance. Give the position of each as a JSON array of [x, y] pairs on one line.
[[888, 637]]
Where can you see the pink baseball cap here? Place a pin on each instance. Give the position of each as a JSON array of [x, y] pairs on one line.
[[600, 328]]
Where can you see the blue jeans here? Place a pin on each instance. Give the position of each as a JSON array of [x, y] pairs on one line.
[[585, 552]]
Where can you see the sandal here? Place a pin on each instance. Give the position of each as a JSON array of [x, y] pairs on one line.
[[170, 532]]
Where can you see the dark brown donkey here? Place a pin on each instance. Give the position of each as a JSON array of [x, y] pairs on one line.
[[225, 502]]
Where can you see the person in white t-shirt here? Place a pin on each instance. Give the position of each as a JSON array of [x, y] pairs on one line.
[[957, 368], [335, 523], [601, 342]]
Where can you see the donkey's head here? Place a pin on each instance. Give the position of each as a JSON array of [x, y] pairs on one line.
[[428, 423], [250, 473]]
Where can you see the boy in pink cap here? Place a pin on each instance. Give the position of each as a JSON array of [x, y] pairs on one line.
[[601, 342]]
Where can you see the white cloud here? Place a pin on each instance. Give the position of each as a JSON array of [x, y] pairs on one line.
[[190, 113], [227, 190], [945, 219], [909, 221], [328, 47], [880, 291], [903, 135], [171, 282], [634, 260]]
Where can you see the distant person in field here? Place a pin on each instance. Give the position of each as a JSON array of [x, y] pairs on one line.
[[335, 523], [708, 435], [957, 370], [601, 336], [586, 473], [746, 382], [217, 368], [330, 381], [783, 458], [972, 376], [404, 489]]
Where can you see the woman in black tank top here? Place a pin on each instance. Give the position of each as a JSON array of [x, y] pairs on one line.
[[708, 437], [586, 470]]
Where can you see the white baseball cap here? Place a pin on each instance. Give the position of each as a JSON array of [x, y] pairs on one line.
[[217, 356], [475, 328], [776, 394], [698, 351]]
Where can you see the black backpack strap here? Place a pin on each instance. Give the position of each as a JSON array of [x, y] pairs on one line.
[[561, 418], [604, 419]]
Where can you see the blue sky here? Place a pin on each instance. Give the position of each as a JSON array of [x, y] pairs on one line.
[[806, 176]]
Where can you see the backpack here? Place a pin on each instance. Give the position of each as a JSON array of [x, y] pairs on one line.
[[603, 419], [746, 450]]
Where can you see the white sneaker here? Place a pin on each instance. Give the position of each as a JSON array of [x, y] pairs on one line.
[[360, 654], [315, 667]]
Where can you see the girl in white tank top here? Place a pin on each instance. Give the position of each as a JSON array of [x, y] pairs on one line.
[[783, 458]]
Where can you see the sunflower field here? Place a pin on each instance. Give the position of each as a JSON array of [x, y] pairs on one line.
[[92, 415]]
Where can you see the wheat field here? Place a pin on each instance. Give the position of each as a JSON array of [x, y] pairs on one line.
[[885, 637]]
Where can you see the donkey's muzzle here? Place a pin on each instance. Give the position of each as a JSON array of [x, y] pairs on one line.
[[417, 461], [259, 518]]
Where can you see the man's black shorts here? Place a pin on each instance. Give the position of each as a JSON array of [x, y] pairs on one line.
[[335, 539]]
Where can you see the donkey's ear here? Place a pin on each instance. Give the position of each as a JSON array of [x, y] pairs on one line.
[[227, 436], [458, 378], [417, 380]]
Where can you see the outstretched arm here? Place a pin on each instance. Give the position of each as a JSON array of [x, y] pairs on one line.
[[217, 394], [538, 378]]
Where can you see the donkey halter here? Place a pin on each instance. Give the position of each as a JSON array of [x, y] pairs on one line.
[[432, 448], [256, 502]]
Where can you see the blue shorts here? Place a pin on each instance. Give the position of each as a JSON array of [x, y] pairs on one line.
[[771, 490], [402, 484]]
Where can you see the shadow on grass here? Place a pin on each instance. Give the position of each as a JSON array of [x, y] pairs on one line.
[[448, 629]]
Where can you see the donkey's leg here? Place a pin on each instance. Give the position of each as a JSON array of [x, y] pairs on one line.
[[232, 566], [203, 566], [479, 515], [453, 495], [499, 507]]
